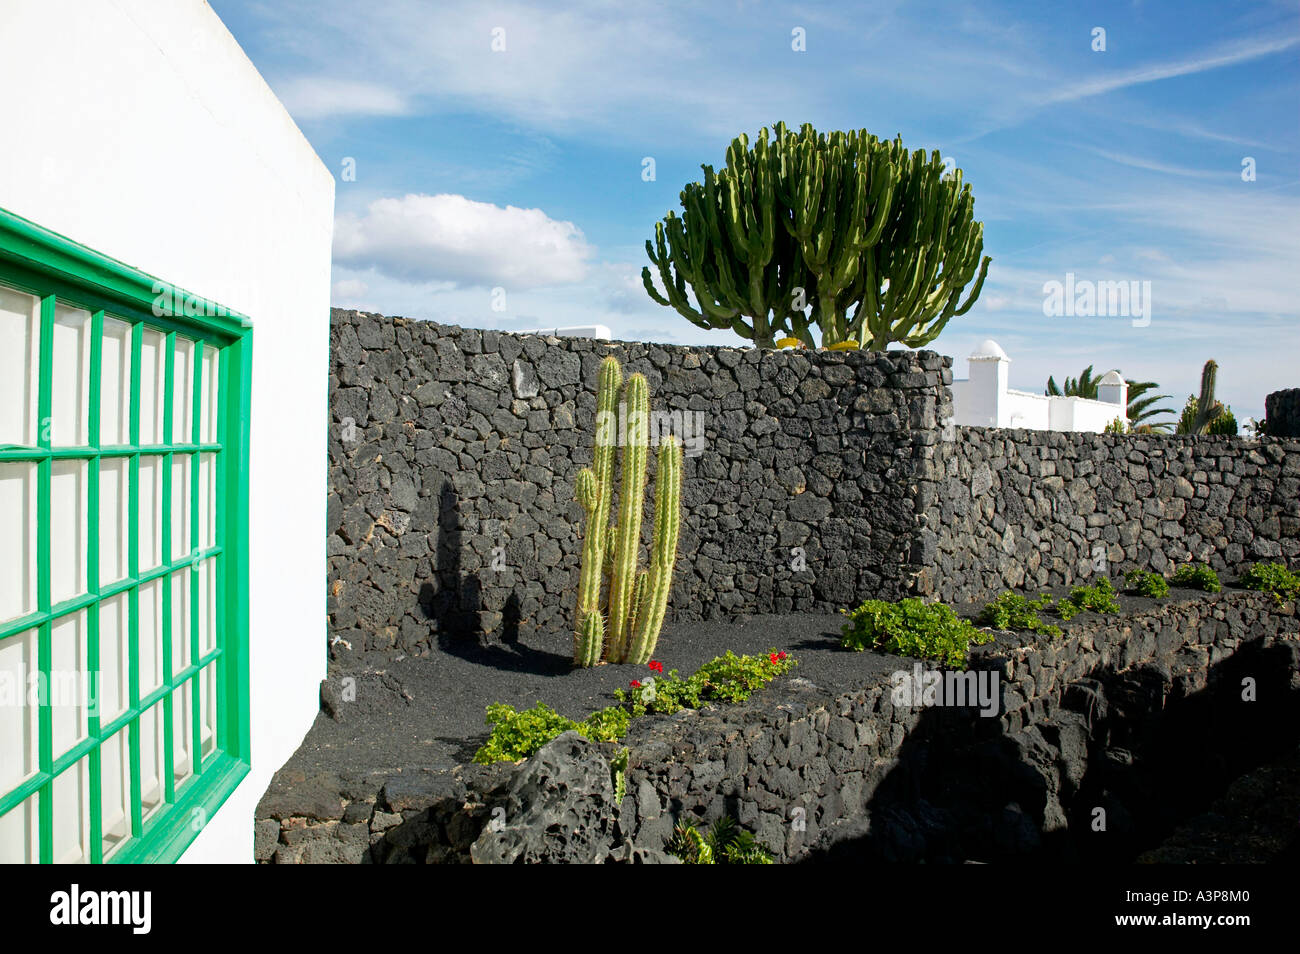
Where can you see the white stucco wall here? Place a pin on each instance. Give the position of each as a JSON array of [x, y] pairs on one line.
[[140, 129], [985, 400]]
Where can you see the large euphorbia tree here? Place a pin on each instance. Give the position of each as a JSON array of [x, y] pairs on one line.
[[843, 231]]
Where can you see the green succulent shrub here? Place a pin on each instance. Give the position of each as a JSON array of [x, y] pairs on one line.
[[1196, 576], [911, 627], [843, 232], [725, 843], [1272, 578], [517, 735], [1013, 611], [1225, 423], [728, 678], [1098, 598], [1146, 584]]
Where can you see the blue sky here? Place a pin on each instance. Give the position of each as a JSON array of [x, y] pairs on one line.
[[521, 169]]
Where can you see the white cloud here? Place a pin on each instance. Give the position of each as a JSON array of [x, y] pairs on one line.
[[449, 238], [316, 97], [347, 289]]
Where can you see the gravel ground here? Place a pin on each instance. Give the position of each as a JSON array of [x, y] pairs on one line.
[[428, 711]]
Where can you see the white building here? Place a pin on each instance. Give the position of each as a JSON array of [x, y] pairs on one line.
[[162, 452], [986, 399]]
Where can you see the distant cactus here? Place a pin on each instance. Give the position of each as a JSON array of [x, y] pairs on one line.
[[626, 628], [1201, 415]]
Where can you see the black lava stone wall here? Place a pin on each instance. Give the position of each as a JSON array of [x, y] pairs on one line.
[[1017, 508], [1282, 413], [453, 454], [821, 479]]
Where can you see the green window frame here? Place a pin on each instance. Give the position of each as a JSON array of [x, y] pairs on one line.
[[212, 680]]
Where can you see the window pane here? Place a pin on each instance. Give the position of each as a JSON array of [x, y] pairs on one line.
[[19, 722], [211, 392], [150, 531], [151, 635], [207, 528], [68, 686], [152, 380], [183, 392], [115, 791], [70, 377], [114, 514], [68, 551], [17, 539], [114, 656], [183, 732], [207, 600], [152, 764], [208, 707], [72, 815], [20, 346], [180, 584], [115, 384], [180, 515], [20, 834]]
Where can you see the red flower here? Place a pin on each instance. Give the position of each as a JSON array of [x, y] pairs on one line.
[[635, 683], [781, 654], [772, 657], [656, 666]]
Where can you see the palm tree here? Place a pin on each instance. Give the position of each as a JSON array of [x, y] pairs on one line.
[[1139, 410]]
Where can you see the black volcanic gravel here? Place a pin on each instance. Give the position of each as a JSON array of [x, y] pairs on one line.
[[428, 711]]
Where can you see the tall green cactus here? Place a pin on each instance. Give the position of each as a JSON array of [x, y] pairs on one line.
[[876, 243], [593, 491], [1199, 414], [636, 601]]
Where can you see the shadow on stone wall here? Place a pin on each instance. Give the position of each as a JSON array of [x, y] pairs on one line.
[[454, 607], [1150, 747]]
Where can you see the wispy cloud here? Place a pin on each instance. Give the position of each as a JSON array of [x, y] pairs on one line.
[[318, 97], [1152, 165], [1240, 52]]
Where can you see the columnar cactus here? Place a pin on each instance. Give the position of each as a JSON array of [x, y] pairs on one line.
[[593, 492], [1200, 414], [636, 600], [653, 584]]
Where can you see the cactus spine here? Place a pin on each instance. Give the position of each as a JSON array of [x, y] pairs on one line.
[[637, 601]]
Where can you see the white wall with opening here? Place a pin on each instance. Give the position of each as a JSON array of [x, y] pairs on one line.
[[154, 140]]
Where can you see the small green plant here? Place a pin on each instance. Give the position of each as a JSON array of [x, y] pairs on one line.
[[1013, 611], [911, 627], [1117, 426], [517, 735], [728, 678], [726, 843], [618, 768], [1273, 578], [1196, 576], [1146, 584], [1099, 598]]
